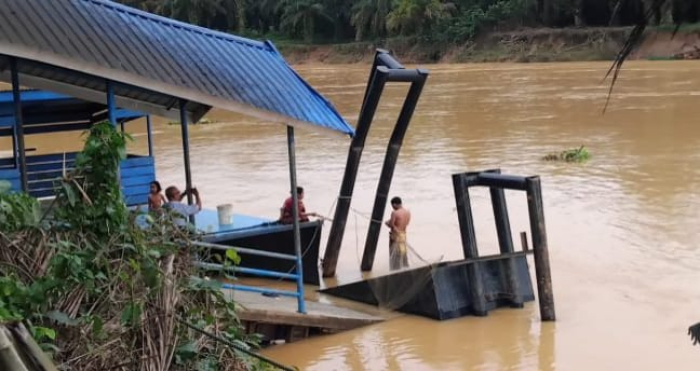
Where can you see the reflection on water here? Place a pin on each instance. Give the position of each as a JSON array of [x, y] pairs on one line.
[[623, 228]]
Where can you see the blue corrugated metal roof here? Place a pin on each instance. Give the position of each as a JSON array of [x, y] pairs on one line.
[[84, 39]]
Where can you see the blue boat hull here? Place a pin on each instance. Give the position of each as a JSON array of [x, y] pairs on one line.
[[273, 237]]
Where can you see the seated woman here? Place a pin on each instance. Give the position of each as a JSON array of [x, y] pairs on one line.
[[286, 213], [155, 198]]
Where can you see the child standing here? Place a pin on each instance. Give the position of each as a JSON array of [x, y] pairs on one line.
[[155, 198]]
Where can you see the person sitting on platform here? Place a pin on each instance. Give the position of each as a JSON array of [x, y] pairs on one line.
[[398, 247], [175, 204], [286, 212], [155, 198]]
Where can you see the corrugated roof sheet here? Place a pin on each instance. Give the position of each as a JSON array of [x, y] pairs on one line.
[[72, 46]]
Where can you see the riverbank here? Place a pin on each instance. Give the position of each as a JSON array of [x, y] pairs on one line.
[[528, 45]]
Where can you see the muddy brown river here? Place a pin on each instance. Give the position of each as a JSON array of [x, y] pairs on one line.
[[623, 228]]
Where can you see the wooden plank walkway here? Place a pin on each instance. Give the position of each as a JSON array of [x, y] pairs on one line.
[[255, 307]]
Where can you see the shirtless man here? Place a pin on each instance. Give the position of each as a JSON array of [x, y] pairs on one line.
[[398, 248]]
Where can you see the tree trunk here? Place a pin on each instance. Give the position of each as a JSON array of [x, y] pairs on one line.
[[308, 29], [547, 16], [240, 13], [578, 14], [359, 34]]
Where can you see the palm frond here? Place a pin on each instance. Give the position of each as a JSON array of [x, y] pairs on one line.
[[633, 40]]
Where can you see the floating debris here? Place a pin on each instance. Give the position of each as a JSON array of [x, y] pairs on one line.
[[570, 155], [203, 121]]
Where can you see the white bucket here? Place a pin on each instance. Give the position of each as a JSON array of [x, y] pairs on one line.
[[225, 214]]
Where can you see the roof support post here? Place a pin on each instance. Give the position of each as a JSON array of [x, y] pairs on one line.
[[19, 125], [149, 129], [417, 79], [111, 107], [375, 87], [186, 151], [301, 305]]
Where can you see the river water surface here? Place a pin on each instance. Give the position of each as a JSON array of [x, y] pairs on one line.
[[623, 228]]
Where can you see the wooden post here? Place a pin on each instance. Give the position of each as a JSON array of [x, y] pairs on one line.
[[392, 156], [540, 248], [460, 183], [523, 241], [378, 78], [505, 241]]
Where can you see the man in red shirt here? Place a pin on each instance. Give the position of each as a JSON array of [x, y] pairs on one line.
[[286, 215]]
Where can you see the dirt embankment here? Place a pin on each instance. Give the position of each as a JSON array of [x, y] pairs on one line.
[[665, 45], [530, 45]]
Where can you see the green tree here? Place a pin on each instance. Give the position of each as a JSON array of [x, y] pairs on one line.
[[146, 5], [199, 12], [369, 18], [303, 14], [418, 16], [340, 12]]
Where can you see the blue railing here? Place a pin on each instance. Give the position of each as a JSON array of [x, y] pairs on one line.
[[298, 276]]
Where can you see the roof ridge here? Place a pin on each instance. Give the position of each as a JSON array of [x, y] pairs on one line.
[[112, 5]]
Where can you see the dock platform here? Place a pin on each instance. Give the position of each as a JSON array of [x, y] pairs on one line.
[[276, 318]]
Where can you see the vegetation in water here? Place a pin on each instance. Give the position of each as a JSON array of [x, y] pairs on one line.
[[570, 155], [202, 121], [451, 21], [100, 291]]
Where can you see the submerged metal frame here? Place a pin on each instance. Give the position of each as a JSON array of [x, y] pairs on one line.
[[384, 69], [497, 183]]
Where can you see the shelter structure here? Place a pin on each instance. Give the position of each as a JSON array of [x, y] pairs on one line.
[[46, 113], [106, 53]]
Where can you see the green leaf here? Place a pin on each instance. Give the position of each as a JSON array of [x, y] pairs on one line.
[[207, 364], [187, 351], [97, 326], [62, 318], [197, 283], [70, 193], [41, 333], [122, 153], [5, 186], [132, 314], [233, 256]]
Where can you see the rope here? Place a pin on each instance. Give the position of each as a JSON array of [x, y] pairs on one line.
[[410, 247]]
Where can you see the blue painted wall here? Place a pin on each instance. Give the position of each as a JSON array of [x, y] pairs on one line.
[[137, 172]]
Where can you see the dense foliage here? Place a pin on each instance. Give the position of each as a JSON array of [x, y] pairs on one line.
[[431, 20], [100, 291]]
